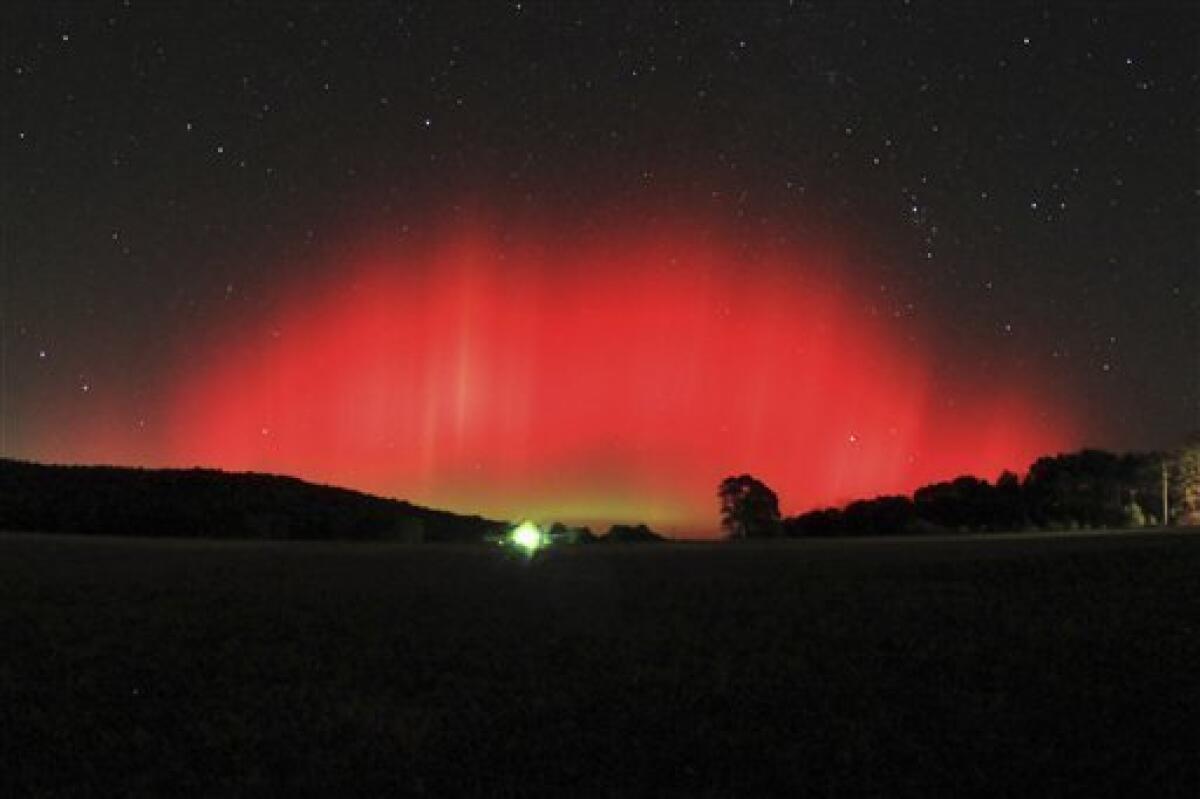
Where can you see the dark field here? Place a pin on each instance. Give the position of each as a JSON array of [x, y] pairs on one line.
[[901, 668]]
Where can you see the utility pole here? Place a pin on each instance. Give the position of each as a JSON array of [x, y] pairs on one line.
[[1166, 504]]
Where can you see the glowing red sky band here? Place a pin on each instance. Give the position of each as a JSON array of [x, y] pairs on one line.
[[590, 380]]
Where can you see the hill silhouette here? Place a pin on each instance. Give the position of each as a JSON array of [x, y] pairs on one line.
[[208, 503]]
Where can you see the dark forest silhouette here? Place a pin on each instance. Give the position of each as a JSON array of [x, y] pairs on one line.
[[1089, 489], [208, 503]]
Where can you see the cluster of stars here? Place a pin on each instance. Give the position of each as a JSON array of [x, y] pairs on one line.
[[1042, 156]]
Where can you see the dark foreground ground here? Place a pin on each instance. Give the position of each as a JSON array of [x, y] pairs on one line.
[[900, 668]]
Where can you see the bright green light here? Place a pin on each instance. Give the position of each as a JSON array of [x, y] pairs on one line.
[[527, 536]]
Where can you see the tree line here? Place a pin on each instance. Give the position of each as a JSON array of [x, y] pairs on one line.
[[1089, 489], [1081, 490], [207, 503]]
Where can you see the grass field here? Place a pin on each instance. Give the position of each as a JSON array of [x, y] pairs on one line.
[[901, 668]]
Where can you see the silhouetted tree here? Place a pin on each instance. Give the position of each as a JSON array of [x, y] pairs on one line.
[[1008, 503], [563, 534], [963, 504], [879, 516], [1087, 488], [815, 523], [631, 534], [748, 508]]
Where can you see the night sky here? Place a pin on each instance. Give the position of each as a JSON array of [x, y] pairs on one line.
[[580, 261]]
